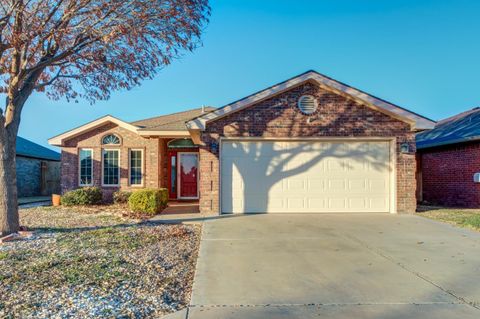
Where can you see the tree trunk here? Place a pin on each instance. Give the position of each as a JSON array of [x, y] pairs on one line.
[[9, 220]]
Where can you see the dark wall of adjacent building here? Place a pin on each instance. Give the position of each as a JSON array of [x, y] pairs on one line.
[[36, 177], [447, 175]]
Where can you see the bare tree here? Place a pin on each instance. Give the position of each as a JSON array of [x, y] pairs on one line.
[[82, 49]]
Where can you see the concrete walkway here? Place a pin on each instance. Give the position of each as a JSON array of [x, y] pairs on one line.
[[34, 201], [335, 266]]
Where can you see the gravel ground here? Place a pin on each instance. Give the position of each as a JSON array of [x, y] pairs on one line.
[[94, 263]]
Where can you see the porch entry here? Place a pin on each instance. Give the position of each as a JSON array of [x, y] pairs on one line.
[[183, 171]]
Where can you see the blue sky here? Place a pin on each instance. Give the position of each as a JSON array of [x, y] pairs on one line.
[[422, 55]]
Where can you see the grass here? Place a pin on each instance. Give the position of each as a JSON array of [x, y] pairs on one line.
[[463, 217], [96, 264]]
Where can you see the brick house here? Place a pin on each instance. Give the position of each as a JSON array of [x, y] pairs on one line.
[[448, 158], [308, 144]]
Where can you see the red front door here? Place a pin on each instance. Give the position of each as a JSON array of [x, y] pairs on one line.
[[188, 164]]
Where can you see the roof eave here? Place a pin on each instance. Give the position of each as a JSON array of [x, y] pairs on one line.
[[450, 142], [165, 133], [43, 158]]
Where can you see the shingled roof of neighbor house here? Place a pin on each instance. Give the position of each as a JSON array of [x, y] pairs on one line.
[[29, 149], [463, 127], [171, 122]]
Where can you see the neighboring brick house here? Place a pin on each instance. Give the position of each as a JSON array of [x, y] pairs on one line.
[[309, 144], [448, 158], [37, 169]]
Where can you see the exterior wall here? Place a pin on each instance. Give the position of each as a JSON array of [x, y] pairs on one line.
[[279, 116], [36, 176], [153, 150], [447, 175], [29, 176], [50, 177]]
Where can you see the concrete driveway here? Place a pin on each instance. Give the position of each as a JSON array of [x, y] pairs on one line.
[[336, 266]]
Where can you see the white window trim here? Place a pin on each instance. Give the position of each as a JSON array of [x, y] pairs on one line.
[[80, 167], [142, 165], [119, 167]]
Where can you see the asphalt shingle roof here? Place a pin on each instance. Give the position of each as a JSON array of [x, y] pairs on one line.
[[171, 122], [29, 149], [460, 128]]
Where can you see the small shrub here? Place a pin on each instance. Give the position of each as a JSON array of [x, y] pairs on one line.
[[82, 196], [148, 201], [121, 197]]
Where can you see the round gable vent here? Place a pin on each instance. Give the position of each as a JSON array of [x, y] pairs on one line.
[[307, 104]]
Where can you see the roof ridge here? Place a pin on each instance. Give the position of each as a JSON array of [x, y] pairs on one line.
[[459, 115], [410, 116], [175, 121], [170, 114]]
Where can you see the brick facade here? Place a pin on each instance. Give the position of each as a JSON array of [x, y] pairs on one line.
[[337, 116], [154, 162], [447, 175]]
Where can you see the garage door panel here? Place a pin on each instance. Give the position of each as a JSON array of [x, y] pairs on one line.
[[296, 185], [315, 204], [316, 185], [379, 186], [358, 185], [337, 204], [295, 204], [379, 204], [360, 203], [337, 185], [301, 176]]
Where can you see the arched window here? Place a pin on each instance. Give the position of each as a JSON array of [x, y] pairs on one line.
[[181, 143], [111, 139]]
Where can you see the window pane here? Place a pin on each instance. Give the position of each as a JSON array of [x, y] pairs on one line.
[[85, 158], [111, 139], [110, 167], [135, 167], [173, 181]]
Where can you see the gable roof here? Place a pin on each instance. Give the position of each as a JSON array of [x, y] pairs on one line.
[[57, 140], [417, 121], [463, 127], [170, 125], [171, 122], [30, 149]]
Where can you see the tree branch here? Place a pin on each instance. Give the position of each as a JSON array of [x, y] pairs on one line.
[[56, 77]]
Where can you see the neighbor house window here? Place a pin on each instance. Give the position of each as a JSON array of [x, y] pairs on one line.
[[111, 139], [85, 167], [111, 167], [136, 167]]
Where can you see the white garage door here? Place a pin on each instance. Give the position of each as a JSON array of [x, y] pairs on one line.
[[305, 176]]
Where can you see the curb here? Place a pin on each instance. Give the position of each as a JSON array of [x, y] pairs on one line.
[[181, 314]]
